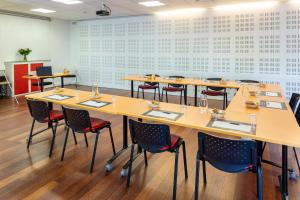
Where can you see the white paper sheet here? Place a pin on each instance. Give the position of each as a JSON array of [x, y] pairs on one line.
[[270, 104], [94, 104], [272, 94], [58, 97], [157, 113], [232, 126]]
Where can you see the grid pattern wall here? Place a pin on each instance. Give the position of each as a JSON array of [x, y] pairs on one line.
[[262, 45]]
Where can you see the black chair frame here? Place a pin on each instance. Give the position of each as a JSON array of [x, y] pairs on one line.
[[245, 153], [225, 97], [150, 84], [142, 138], [78, 121], [174, 86]]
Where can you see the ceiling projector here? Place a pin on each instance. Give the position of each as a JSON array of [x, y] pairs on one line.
[[105, 10]]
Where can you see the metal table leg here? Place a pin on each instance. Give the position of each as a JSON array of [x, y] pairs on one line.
[[196, 95], [131, 88], [284, 176], [185, 94], [125, 144], [62, 82]]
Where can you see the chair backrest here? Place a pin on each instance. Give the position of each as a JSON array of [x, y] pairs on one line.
[[297, 115], [151, 137], [77, 120], [229, 155], [176, 85], [294, 101], [151, 83], [215, 88], [44, 71], [249, 81], [38, 110]]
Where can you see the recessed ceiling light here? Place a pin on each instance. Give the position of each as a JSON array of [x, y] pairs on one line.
[[151, 3], [246, 6], [68, 2], [181, 12], [42, 10]]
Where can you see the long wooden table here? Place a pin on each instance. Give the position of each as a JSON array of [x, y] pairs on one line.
[[56, 75], [185, 82], [274, 126]]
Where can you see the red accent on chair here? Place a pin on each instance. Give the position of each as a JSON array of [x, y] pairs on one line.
[[173, 89], [145, 87], [174, 140], [20, 83], [56, 115], [213, 93], [97, 124], [33, 67]]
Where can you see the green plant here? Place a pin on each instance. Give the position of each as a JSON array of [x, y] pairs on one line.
[[25, 53]]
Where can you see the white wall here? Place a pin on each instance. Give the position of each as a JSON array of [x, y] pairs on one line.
[[253, 44], [48, 40]]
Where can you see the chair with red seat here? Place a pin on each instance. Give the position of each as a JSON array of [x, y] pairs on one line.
[[228, 155], [216, 91], [156, 138], [173, 88], [79, 121], [149, 86], [40, 112]]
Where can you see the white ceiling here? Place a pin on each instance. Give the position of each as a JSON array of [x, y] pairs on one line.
[[89, 7]]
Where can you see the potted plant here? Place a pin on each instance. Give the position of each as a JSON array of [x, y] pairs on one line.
[[24, 53]]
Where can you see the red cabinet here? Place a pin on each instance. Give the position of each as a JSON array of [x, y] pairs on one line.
[[20, 83], [33, 67]]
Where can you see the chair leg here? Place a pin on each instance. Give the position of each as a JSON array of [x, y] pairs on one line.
[[180, 97], [296, 156], [94, 152], [162, 95], [184, 160], [74, 136], [175, 174], [53, 138], [259, 183], [86, 141], [65, 144], [155, 94], [145, 157], [143, 93], [30, 134], [130, 165], [263, 149], [167, 97], [138, 93], [204, 171], [112, 140], [197, 177], [224, 100], [158, 93]]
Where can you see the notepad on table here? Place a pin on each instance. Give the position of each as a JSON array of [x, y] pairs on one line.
[[271, 94], [96, 104], [163, 114], [230, 125], [271, 104], [58, 97]]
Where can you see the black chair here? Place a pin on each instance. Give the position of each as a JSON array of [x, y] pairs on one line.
[[43, 71], [216, 91], [173, 88], [156, 138], [40, 112], [294, 104], [249, 81], [149, 86], [80, 122], [228, 155]]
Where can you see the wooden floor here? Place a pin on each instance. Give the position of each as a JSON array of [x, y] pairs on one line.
[[32, 175]]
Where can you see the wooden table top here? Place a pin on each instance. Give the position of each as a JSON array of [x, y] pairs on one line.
[[56, 75], [275, 126], [185, 81]]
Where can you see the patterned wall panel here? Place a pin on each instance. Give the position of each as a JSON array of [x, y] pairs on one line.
[[259, 44]]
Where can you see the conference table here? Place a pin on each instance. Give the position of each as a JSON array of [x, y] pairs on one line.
[[185, 82], [56, 75], [277, 126]]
